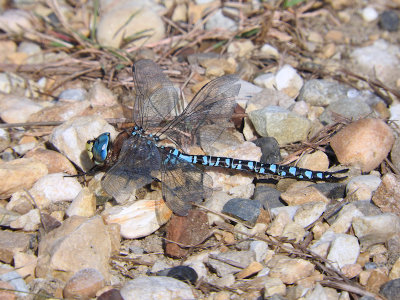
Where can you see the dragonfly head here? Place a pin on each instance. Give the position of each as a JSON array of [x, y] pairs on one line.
[[99, 148]]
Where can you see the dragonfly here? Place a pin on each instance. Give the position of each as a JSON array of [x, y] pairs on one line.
[[138, 158]]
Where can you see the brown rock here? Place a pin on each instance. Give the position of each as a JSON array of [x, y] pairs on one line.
[[60, 112], [55, 161], [253, 268], [352, 270], [387, 196], [12, 173], [364, 144], [12, 243], [5, 293], [25, 265], [84, 284], [375, 280], [289, 270], [299, 195], [187, 231], [78, 243]]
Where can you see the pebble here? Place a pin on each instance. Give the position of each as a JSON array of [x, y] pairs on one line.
[[10, 83], [112, 294], [344, 250], [320, 92], [7, 274], [345, 218], [34, 54], [379, 60], [25, 264], [269, 97], [389, 20], [125, 15], [309, 213], [16, 21], [289, 270], [372, 230], [73, 95], [268, 197], [353, 109], [394, 153], [362, 187], [391, 289], [376, 280], [4, 139], [252, 269], [84, 284], [243, 209], [260, 249], [274, 287], [215, 203], [369, 14], [185, 232], [99, 95], [53, 188], [386, 197], [61, 111], [395, 271], [12, 243], [285, 126], [138, 219], [11, 173], [16, 109], [288, 81], [27, 222], [269, 52], [158, 287], [182, 273], [293, 231], [83, 205], [55, 161], [279, 223], [239, 258], [218, 20], [363, 144], [316, 161], [70, 138], [266, 80], [299, 194], [58, 249]]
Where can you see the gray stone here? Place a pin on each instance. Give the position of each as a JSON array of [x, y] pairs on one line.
[[242, 258], [320, 92], [391, 289], [243, 209], [353, 109], [268, 196], [218, 20], [73, 95]]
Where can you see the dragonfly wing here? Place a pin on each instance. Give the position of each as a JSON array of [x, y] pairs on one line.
[[156, 97], [213, 104], [137, 164], [183, 183]]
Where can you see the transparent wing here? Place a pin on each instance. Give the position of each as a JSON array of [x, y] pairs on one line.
[[156, 97], [213, 104], [183, 184], [138, 164]]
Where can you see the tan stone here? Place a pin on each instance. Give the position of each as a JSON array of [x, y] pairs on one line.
[[376, 280], [289, 270], [253, 268]]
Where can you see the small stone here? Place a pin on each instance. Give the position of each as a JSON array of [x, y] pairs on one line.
[[84, 284], [157, 287], [32, 51], [16, 21], [239, 258], [376, 280], [279, 223], [270, 150], [253, 268], [389, 20], [362, 187], [218, 20], [260, 249], [369, 14], [320, 92], [269, 52], [265, 80], [15, 109], [348, 108], [351, 270], [55, 161], [387, 196], [111, 294], [345, 218], [309, 213], [333, 36], [27, 222], [274, 286], [186, 231], [316, 161], [73, 95], [11, 243], [299, 194], [284, 125], [372, 230], [268, 197], [215, 203], [182, 273], [391, 289], [294, 231], [138, 219], [328, 50], [83, 205], [395, 271], [99, 95], [344, 250], [11, 173], [25, 264], [364, 144], [243, 209], [288, 81], [395, 153], [289, 270]]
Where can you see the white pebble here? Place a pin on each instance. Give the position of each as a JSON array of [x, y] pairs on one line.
[[369, 14]]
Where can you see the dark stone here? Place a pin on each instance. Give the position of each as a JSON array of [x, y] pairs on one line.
[[389, 20], [182, 273], [186, 231], [268, 197], [112, 294], [271, 153], [331, 190], [244, 209], [370, 266], [391, 289], [367, 207]]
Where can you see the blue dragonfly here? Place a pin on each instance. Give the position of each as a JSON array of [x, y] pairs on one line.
[[138, 158]]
